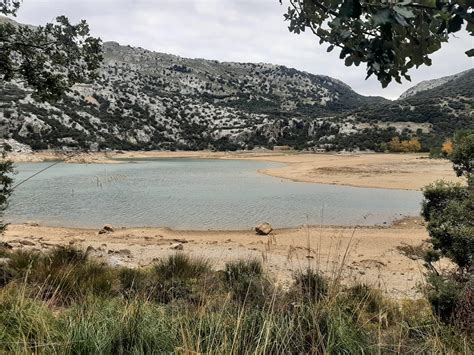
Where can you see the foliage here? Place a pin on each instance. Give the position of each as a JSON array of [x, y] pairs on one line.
[[311, 284], [449, 210], [447, 147], [391, 37], [355, 319], [50, 58], [6, 181], [9, 7], [246, 281], [444, 294], [405, 146], [463, 154]]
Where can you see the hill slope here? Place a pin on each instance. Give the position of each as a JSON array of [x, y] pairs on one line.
[[148, 100]]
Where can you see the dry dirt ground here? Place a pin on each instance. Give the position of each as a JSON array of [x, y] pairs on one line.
[[368, 255]]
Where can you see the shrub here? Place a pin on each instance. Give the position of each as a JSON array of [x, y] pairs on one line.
[[132, 281], [175, 278], [311, 284], [464, 312], [26, 326], [181, 266], [443, 294], [102, 321], [64, 274], [246, 281], [449, 210], [6, 181]]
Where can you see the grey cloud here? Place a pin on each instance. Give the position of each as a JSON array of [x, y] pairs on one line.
[[229, 30]]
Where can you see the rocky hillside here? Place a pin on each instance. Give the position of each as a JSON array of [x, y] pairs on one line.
[[148, 100], [430, 84]]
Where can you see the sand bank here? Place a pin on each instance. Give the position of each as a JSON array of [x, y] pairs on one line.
[[389, 171], [365, 254]]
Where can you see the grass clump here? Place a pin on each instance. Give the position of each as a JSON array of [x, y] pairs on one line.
[[247, 282], [311, 285], [64, 275], [180, 305]]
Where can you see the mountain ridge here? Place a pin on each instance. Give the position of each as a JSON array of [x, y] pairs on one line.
[[150, 100]]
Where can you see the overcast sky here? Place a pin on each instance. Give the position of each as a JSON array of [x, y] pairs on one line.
[[230, 30]]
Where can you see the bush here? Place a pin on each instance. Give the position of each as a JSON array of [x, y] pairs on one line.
[[444, 294], [449, 211], [181, 266], [246, 282], [353, 320], [311, 285], [64, 275], [176, 278], [464, 312]]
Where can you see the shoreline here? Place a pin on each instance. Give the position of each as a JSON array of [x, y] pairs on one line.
[[368, 255], [366, 170]]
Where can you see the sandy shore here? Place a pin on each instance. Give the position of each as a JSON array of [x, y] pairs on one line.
[[367, 255], [389, 171]]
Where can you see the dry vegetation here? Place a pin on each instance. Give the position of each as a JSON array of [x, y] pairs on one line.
[[65, 302]]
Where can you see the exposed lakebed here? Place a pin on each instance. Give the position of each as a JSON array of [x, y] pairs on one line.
[[193, 194]]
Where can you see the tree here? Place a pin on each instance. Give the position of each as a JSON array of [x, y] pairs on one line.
[[463, 154], [49, 59], [447, 147], [407, 146], [449, 210], [391, 37], [6, 170]]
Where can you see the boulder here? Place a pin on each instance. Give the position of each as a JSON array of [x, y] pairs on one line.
[[177, 246], [264, 229], [106, 229]]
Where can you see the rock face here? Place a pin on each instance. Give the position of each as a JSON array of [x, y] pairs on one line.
[[264, 229]]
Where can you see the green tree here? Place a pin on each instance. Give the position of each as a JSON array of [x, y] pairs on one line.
[[463, 154], [6, 181], [391, 37], [49, 59], [449, 210]]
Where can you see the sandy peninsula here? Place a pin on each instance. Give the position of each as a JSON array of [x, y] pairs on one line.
[[364, 254], [388, 171]]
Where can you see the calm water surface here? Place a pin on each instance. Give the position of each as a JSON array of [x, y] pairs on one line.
[[194, 194]]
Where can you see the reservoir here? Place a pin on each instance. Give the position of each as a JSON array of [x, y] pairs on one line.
[[193, 194]]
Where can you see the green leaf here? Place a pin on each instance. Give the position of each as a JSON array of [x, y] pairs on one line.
[[403, 11], [382, 17], [455, 24], [330, 48], [470, 52], [400, 19], [351, 8]]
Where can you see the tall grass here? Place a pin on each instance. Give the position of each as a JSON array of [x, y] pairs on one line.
[[49, 305]]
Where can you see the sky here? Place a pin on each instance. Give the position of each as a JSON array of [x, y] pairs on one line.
[[231, 30]]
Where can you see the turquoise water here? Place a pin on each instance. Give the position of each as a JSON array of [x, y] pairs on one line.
[[194, 194]]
